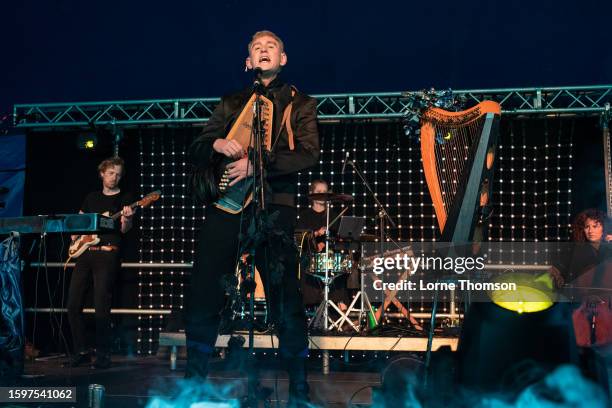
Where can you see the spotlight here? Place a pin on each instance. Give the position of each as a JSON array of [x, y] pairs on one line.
[[87, 141], [501, 349], [533, 293]]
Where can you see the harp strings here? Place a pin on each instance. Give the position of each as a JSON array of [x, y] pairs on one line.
[[454, 150]]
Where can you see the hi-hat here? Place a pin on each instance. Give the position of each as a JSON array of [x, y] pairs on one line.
[[342, 198], [362, 238]]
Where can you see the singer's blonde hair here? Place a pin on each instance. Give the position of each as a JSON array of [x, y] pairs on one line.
[[268, 33]]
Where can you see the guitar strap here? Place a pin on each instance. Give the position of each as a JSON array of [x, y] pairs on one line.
[[286, 123]]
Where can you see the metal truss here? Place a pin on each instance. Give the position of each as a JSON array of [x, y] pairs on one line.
[[582, 100]]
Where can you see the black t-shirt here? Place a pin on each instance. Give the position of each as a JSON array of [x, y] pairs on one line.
[[97, 202], [583, 258], [311, 220]]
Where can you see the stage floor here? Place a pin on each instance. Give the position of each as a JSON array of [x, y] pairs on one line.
[[133, 382]]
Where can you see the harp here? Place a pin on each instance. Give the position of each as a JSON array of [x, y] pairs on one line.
[[458, 153], [233, 199]]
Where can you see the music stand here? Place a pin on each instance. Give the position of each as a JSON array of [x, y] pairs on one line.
[[350, 228]]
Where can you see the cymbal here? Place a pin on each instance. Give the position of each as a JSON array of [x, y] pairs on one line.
[[368, 238], [330, 197]]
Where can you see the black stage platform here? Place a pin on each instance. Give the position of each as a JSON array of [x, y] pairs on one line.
[[137, 381]]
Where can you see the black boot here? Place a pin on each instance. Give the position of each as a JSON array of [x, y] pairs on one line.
[[298, 384], [78, 359], [103, 360], [197, 364], [298, 395]]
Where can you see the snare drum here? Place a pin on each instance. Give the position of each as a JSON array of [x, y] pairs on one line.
[[335, 263]]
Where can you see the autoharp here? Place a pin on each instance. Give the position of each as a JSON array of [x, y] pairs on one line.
[[458, 154], [233, 199]]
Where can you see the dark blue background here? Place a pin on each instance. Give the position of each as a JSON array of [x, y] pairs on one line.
[[67, 50]]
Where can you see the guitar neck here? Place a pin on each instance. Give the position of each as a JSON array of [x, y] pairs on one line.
[[116, 215]]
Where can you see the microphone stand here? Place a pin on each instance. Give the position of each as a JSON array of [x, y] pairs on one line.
[[382, 216], [256, 157]]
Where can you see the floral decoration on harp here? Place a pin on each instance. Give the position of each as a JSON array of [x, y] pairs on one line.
[[418, 102]]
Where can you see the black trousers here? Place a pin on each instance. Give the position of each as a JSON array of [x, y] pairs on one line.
[[101, 268], [216, 256]]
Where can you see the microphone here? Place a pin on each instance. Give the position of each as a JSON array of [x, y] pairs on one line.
[[257, 84], [346, 159], [258, 72]]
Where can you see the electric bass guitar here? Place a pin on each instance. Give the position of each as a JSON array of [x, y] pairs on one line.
[[82, 242]]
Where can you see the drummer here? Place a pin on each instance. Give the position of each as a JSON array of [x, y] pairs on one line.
[[314, 220]]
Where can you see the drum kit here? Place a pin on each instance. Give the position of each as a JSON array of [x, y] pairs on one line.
[[335, 260], [340, 256]]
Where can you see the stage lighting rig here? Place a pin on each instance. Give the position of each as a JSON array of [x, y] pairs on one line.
[[87, 140]]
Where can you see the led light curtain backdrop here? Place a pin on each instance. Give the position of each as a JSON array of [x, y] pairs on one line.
[[532, 194]]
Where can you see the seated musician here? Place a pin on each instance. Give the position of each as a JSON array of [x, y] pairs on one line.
[[587, 266], [313, 220], [588, 230]]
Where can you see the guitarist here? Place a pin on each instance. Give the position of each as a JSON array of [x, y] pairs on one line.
[[295, 147], [99, 265]]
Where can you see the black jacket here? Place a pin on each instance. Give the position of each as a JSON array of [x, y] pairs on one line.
[[284, 164]]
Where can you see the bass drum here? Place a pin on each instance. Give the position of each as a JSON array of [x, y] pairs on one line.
[[260, 293]]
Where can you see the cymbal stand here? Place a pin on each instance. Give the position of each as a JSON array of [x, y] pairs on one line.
[[322, 312], [382, 216], [327, 282]]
